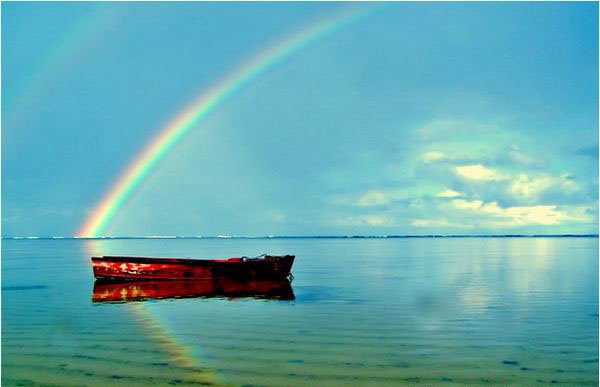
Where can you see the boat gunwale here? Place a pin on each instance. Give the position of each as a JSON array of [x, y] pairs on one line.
[[190, 261]]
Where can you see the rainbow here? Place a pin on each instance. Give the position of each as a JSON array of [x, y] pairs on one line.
[[146, 161], [57, 63]]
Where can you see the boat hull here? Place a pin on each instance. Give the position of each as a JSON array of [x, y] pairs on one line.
[[143, 268]]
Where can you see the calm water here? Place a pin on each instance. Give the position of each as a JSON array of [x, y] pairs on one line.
[[382, 312]]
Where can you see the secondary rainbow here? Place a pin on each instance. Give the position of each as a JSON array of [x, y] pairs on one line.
[[142, 166]]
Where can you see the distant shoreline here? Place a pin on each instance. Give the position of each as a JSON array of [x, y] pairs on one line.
[[307, 237]]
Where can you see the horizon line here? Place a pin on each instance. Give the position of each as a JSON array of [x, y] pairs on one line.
[[398, 236]]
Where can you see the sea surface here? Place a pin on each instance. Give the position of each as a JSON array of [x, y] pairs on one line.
[[366, 312]]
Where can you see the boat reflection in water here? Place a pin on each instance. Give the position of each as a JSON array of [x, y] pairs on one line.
[[116, 292]]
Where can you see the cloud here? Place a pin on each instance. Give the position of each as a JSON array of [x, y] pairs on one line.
[[523, 215], [531, 188], [478, 172], [463, 204], [433, 156], [438, 223], [277, 216], [373, 198], [377, 220], [542, 215], [517, 156], [449, 193], [528, 188], [366, 220]]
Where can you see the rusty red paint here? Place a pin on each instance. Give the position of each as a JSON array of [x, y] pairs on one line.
[[241, 269], [111, 291]]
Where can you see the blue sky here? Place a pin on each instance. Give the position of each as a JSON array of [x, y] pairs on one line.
[[420, 118]]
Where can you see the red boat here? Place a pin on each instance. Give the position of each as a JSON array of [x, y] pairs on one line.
[[265, 267], [111, 291]]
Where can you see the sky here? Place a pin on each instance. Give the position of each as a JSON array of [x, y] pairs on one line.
[[413, 118]]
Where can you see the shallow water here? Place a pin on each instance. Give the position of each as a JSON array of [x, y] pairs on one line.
[[478, 311]]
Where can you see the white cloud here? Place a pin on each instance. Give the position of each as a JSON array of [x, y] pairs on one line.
[[373, 198], [433, 156], [376, 220], [478, 172], [277, 216], [545, 215], [437, 223], [530, 188], [366, 220], [463, 204], [523, 215], [516, 155], [526, 187], [449, 193]]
